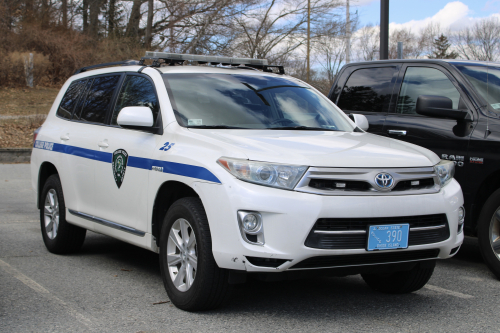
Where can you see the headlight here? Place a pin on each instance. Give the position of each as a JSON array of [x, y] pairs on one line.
[[445, 170], [275, 175]]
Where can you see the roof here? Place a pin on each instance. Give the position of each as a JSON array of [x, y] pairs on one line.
[[449, 61]]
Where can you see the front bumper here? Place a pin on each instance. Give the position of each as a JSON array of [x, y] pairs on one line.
[[289, 216]]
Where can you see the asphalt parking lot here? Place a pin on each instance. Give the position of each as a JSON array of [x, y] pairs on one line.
[[111, 286]]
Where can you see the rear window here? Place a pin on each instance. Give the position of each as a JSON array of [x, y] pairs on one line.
[[70, 99], [98, 99], [367, 89]]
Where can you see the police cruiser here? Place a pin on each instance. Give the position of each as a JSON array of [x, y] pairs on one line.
[[230, 169]]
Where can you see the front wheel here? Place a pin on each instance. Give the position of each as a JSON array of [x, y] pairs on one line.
[[488, 233], [191, 277], [401, 282]]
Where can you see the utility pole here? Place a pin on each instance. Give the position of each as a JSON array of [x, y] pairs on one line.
[[348, 34], [308, 37], [384, 29]]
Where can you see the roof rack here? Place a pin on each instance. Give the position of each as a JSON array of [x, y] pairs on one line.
[[173, 59], [107, 64]]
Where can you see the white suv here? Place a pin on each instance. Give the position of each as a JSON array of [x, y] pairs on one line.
[[231, 172]]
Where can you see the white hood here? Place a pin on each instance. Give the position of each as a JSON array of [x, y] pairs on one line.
[[323, 148]]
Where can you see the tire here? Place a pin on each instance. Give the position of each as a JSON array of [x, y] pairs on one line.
[[488, 230], [59, 236], [205, 287], [401, 282]]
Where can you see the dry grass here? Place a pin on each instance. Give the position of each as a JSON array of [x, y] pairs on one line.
[[15, 102], [26, 110]]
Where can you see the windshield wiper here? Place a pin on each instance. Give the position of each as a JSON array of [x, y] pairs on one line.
[[303, 128], [216, 127]]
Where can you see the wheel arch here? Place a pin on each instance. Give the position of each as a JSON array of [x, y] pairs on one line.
[[489, 185], [46, 170], [168, 193]]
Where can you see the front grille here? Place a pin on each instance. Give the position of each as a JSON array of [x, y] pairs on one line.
[[331, 184], [366, 259], [407, 184], [358, 226]]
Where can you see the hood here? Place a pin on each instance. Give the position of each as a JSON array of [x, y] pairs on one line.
[[323, 148]]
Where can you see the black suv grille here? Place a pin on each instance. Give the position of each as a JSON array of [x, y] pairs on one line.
[[346, 240], [366, 259]]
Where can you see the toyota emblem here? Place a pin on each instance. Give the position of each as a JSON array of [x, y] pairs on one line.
[[384, 180]]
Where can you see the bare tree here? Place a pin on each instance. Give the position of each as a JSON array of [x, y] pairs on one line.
[[479, 42], [273, 29], [367, 40]]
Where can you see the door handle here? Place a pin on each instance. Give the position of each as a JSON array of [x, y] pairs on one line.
[[397, 132], [103, 144], [65, 137]]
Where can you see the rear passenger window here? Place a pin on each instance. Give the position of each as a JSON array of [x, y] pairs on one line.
[[98, 99], [136, 91], [367, 89], [70, 99]]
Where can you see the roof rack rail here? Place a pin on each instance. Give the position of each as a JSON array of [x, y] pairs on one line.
[[107, 64], [173, 59]]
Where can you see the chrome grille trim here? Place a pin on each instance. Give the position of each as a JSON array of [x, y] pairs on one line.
[[350, 232], [366, 175]]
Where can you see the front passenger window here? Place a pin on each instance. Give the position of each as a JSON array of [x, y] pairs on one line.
[[136, 91], [424, 81]]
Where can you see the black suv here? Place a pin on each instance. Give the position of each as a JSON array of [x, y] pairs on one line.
[[451, 107]]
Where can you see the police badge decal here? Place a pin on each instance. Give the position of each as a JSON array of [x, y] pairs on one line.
[[120, 158]]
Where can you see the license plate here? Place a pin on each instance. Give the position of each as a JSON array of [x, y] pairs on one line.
[[388, 237]]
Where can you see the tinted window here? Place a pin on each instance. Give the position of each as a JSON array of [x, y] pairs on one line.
[[367, 89], [424, 81], [98, 99], [70, 99], [136, 91]]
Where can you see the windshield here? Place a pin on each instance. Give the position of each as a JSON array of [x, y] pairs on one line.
[[486, 81], [250, 102]]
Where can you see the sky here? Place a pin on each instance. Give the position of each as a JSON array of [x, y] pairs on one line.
[[416, 14]]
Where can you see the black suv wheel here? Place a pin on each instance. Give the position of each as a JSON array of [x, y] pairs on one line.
[[488, 233]]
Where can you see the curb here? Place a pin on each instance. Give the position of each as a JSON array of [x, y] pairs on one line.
[[15, 155]]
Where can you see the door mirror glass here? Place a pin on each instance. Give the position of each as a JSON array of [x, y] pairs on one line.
[[360, 121], [441, 107], [135, 116]]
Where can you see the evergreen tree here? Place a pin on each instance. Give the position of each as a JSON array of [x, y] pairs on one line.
[[441, 46]]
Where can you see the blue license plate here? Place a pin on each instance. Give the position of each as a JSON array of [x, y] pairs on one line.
[[388, 237]]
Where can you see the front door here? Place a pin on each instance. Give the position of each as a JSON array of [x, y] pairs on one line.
[[122, 180], [368, 91], [446, 137]]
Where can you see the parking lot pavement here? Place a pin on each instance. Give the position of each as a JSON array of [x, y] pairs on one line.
[[112, 286]]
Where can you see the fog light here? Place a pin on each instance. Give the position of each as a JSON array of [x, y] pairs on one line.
[[251, 227], [250, 222], [461, 219]]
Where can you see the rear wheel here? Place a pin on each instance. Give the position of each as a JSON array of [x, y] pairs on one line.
[[59, 236], [488, 232], [191, 277], [401, 282]]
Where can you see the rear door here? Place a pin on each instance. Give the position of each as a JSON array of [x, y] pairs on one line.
[[122, 178], [81, 148], [447, 138], [367, 90]]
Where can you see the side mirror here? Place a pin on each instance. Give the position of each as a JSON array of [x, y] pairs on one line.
[[360, 121], [135, 116], [440, 107]]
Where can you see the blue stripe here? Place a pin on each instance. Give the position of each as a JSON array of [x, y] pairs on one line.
[[173, 168]]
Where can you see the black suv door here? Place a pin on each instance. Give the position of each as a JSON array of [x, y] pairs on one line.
[[367, 91], [445, 137]]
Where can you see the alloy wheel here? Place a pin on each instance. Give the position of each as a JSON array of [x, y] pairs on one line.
[[51, 214], [182, 255]]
